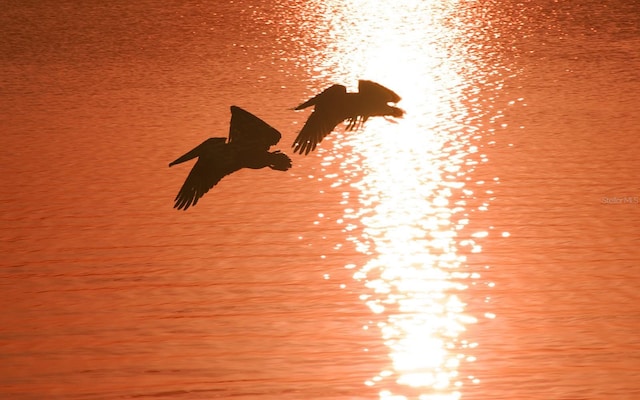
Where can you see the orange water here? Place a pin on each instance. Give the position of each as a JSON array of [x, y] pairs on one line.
[[486, 246]]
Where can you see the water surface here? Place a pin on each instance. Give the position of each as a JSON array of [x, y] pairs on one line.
[[484, 246]]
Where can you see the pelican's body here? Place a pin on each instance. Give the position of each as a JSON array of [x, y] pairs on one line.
[[335, 105], [247, 147]]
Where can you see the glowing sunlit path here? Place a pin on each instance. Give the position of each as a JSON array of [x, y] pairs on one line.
[[412, 179], [408, 216]]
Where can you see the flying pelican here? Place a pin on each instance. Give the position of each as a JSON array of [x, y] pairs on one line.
[[334, 105], [247, 147]]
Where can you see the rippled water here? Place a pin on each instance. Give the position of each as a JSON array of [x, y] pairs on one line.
[[484, 246]]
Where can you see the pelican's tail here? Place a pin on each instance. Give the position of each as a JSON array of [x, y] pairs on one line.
[[307, 103], [199, 150], [329, 95], [190, 155]]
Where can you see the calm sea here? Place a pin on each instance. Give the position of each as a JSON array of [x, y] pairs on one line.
[[485, 246]]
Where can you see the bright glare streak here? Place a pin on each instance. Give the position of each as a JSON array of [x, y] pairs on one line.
[[412, 179]]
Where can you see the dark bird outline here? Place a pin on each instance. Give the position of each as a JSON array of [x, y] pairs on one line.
[[247, 147], [335, 105]]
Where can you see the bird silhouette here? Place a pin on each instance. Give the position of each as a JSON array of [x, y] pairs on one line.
[[335, 105], [247, 147]]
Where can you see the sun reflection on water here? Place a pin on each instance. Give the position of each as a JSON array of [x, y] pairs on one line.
[[413, 180], [409, 219]]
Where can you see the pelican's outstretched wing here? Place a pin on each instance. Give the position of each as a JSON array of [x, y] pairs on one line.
[[320, 123], [247, 129], [215, 161], [328, 112], [377, 92]]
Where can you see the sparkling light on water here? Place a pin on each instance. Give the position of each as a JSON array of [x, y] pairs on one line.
[[413, 179]]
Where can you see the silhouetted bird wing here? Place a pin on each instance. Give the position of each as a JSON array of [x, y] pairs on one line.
[[248, 130], [377, 92], [330, 109], [215, 161]]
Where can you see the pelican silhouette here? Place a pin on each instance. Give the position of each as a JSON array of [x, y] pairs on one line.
[[247, 147], [334, 105]]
